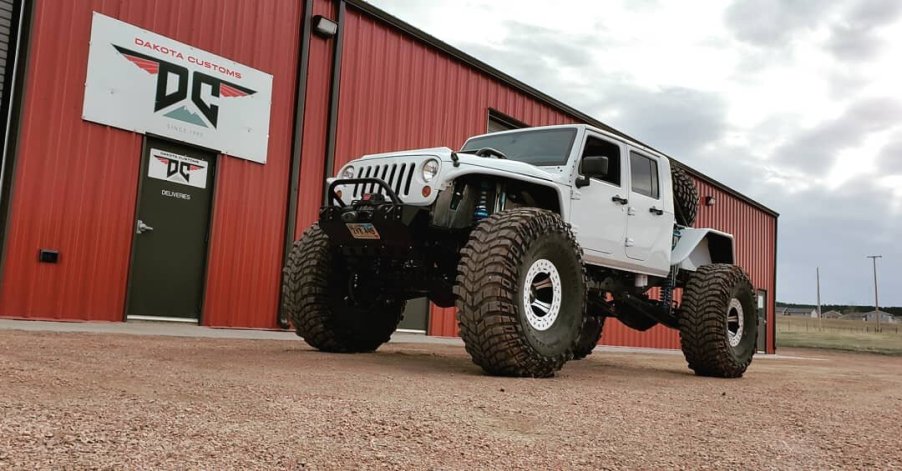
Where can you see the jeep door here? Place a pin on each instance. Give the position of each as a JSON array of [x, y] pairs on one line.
[[597, 210], [649, 227]]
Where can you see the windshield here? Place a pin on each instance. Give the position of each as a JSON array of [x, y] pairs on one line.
[[543, 147]]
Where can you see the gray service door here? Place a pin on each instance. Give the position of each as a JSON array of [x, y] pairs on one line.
[[416, 315], [173, 219]]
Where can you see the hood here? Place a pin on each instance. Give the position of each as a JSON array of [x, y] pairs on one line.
[[552, 174]]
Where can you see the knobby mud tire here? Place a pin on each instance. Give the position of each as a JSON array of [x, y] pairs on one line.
[[704, 336], [315, 296], [491, 277]]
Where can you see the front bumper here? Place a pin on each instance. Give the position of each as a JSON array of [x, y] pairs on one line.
[[379, 221]]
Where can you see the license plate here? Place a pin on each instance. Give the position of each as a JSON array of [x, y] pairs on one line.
[[363, 231]]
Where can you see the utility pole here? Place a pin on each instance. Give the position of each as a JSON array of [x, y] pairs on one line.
[[820, 323], [876, 298]]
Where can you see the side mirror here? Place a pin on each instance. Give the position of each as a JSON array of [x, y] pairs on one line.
[[595, 166]]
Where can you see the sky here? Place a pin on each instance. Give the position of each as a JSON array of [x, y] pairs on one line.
[[795, 103]]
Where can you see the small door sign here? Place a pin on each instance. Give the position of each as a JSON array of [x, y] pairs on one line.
[[177, 168]]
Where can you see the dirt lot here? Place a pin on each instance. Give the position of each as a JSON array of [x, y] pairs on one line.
[[119, 401]]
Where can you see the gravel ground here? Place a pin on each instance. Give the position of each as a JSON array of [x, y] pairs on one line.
[[73, 400]]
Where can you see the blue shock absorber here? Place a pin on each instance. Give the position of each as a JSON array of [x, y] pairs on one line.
[[482, 209]]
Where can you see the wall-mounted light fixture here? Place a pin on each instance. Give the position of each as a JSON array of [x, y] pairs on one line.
[[710, 200], [324, 27]]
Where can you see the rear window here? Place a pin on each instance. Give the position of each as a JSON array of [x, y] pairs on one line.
[[644, 173]]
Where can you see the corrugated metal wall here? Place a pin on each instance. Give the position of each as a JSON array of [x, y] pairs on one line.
[[75, 182]]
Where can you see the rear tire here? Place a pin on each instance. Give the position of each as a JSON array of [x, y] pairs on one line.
[[718, 321], [521, 293], [316, 297], [685, 196]]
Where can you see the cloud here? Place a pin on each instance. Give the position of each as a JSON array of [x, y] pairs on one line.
[[677, 121], [816, 150], [773, 22], [852, 43], [890, 159], [560, 48], [875, 13], [856, 38]]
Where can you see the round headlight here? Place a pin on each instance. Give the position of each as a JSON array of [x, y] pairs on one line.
[[348, 172], [430, 169]]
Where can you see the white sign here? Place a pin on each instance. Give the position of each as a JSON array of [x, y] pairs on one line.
[[147, 83], [177, 168]]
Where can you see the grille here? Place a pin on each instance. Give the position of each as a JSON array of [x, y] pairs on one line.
[[398, 175]]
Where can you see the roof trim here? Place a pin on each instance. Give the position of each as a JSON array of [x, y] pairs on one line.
[[421, 35]]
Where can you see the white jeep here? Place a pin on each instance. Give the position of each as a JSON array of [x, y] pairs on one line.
[[536, 236]]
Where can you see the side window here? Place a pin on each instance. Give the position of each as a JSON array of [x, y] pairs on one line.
[[600, 147], [644, 173]]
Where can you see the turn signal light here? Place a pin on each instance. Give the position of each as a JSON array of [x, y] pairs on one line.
[[427, 191]]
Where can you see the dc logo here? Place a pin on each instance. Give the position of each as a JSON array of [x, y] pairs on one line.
[[176, 168], [186, 84]]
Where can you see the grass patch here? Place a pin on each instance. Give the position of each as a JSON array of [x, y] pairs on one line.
[[834, 334]]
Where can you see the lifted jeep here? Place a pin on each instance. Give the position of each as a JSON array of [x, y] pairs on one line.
[[536, 236]]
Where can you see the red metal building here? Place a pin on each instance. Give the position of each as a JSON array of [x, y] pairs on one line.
[[73, 188]]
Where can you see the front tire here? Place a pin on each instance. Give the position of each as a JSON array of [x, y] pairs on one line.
[[318, 300], [521, 293], [718, 321]]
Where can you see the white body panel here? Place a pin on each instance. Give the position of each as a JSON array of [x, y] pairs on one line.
[[635, 236]]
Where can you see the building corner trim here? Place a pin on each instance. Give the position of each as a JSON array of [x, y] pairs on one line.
[[18, 87], [296, 146]]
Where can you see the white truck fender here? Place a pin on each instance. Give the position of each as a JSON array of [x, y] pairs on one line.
[[697, 247]]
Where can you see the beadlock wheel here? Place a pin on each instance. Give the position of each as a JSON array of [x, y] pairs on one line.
[[542, 295], [735, 322]]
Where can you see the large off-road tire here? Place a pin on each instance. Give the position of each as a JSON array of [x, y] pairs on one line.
[[521, 293], [718, 321], [685, 196], [317, 298], [589, 337]]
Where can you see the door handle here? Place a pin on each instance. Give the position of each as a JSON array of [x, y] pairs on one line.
[[655, 210], [619, 199], [142, 228]]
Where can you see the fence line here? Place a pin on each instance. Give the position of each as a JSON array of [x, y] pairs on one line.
[[796, 324]]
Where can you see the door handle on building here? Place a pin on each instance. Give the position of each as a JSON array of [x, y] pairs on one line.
[[655, 210], [142, 228]]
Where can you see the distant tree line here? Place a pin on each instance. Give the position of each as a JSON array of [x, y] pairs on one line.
[[845, 309]]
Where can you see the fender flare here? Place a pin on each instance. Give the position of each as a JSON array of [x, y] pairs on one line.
[[473, 171], [697, 247]]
